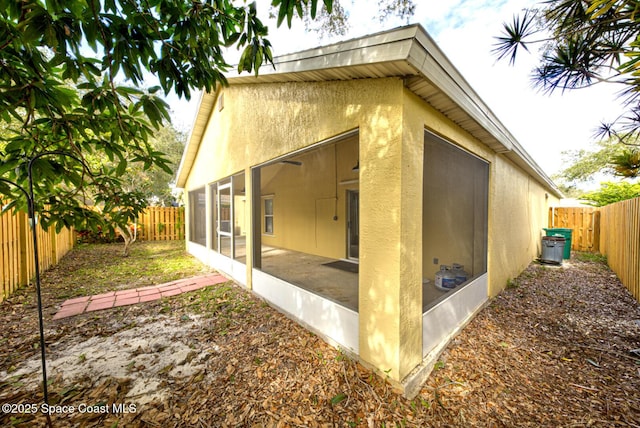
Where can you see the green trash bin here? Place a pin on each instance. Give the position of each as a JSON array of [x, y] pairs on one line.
[[566, 234]]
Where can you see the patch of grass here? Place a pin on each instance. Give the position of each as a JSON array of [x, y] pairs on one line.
[[98, 268], [590, 257], [529, 274], [341, 356], [337, 399], [166, 306], [14, 381], [223, 300]]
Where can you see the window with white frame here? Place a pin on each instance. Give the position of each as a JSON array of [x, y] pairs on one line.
[[268, 215]]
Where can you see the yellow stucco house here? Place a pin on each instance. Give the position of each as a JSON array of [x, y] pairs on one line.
[[336, 185]]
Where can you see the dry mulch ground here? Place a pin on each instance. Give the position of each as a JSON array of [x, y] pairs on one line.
[[559, 347]]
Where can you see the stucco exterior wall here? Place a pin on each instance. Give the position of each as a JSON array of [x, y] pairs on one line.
[[261, 122], [518, 211]]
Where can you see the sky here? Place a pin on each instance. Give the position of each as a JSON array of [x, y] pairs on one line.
[[465, 30]]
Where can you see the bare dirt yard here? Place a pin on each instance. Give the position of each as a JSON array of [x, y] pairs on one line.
[[560, 347]]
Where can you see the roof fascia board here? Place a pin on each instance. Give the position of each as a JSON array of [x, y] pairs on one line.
[[404, 34], [437, 68], [389, 52], [205, 109]]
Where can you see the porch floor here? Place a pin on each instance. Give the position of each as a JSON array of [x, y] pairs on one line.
[[309, 272]]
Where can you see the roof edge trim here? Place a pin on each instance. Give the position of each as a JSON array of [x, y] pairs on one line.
[[200, 123]]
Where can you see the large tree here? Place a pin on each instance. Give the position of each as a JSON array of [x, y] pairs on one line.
[[70, 76], [610, 193], [155, 183], [583, 42], [584, 164], [605, 158], [336, 21]]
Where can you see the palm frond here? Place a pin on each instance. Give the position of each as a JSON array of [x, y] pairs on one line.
[[627, 164], [514, 36], [569, 66]]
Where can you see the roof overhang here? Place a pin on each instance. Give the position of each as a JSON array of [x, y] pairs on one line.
[[406, 52]]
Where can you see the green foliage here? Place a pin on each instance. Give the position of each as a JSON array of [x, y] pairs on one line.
[[155, 183], [610, 193], [289, 8], [610, 157], [584, 164], [71, 111], [584, 256], [330, 18], [590, 42], [627, 163], [337, 399], [568, 190]]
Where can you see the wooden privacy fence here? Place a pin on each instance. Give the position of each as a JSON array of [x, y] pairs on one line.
[[585, 225], [17, 266], [612, 230], [620, 241], [161, 224]]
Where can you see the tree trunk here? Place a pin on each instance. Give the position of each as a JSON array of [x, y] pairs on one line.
[[128, 236]]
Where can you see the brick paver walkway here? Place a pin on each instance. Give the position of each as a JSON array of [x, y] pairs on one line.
[[133, 296]]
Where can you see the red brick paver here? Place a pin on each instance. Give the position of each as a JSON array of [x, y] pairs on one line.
[[112, 299]]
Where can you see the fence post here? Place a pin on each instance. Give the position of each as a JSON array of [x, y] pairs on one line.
[[53, 236], [596, 231], [23, 238]]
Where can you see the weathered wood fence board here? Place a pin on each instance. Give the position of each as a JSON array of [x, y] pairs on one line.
[[10, 257], [620, 241], [584, 223], [161, 224], [17, 265]]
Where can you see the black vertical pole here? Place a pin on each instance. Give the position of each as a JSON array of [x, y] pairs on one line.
[[36, 259], [32, 215]]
